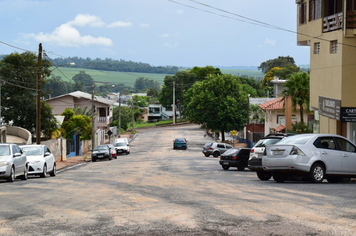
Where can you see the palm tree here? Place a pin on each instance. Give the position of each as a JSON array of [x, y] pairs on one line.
[[79, 111], [297, 86]]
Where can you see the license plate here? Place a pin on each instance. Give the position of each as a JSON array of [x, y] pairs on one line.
[[226, 163], [100, 156], [119, 150], [179, 146], [277, 152]]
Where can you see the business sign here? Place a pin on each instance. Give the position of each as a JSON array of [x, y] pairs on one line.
[[348, 114], [329, 107]]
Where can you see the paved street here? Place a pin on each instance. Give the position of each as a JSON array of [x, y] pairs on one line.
[[160, 191]]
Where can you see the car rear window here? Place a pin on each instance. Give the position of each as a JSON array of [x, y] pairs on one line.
[[180, 140], [264, 142], [296, 139], [232, 151], [208, 145]]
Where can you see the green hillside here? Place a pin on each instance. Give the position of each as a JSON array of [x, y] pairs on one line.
[[129, 78]]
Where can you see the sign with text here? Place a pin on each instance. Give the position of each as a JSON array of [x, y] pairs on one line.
[[348, 114], [329, 107]]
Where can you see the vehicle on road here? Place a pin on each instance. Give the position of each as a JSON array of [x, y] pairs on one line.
[[112, 151], [41, 160], [255, 159], [122, 147], [101, 152], [235, 157], [180, 143], [215, 149], [13, 162], [119, 140], [316, 156]]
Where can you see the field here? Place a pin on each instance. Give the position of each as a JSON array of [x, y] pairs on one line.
[[129, 78]]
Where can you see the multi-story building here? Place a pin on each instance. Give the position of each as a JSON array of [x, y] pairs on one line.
[[329, 28]]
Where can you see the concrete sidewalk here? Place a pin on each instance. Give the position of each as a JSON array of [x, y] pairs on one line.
[[86, 157]]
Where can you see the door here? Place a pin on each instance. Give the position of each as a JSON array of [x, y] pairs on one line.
[[348, 155], [329, 154]]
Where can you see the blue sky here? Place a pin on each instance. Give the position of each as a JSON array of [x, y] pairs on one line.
[[158, 32]]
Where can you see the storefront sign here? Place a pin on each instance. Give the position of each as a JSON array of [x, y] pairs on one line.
[[329, 107], [348, 114]]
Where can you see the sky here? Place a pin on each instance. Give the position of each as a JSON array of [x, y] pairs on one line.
[[158, 32]]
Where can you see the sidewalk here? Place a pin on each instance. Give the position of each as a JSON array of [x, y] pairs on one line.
[[86, 157]]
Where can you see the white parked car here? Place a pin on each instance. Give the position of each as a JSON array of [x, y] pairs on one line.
[[122, 147], [13, 162], [119, 140], [41, 160], [314, 156]]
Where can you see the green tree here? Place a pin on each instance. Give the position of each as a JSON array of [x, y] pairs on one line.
[[126, 116], [73, 124], [84, 79], [297, 86], [277, 62], [152, 92], [18, 73], [202, 72], [219, 102]]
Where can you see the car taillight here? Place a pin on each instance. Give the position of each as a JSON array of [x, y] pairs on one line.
[[211, 148], [252, 151], [296, 151], [234, 157]]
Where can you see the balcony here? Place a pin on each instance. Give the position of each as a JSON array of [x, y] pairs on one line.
[[332, 22]]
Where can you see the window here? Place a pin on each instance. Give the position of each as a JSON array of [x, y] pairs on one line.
[[325, 143], [344, 145], [314, 9], [302, 13], [317, 48], [333, 46]]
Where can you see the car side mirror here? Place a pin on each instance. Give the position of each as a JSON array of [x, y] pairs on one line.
[[47, 154], [17, 154]]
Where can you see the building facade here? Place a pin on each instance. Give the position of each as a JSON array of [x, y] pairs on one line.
[[328, 27]]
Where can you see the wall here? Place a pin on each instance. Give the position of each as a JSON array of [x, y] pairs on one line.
[[20, 132]]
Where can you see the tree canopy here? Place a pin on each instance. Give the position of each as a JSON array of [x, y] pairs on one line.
[[219, 102], [18, 74], [74, 124], [277, 62]]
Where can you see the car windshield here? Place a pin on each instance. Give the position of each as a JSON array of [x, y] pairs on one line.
[[231, 151], [296, 139], [111, 146], [5, 150], [100, 148], [32, 151], [264, 142], [120, 144]]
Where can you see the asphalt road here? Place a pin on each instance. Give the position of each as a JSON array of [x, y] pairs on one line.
[[156, 190]]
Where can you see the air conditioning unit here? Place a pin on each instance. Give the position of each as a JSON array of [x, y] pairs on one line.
[[298, 1]]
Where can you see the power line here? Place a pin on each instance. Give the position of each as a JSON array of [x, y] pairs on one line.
[[252, 21], [17, 47]]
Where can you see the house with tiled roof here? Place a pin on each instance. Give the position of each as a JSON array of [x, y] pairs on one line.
[[275, 116]]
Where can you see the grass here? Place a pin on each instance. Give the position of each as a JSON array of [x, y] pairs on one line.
[[128, 78]]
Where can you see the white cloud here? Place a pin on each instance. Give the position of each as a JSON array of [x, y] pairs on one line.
[[164, 35], [83, 20], [270, 42], [144, 25], [67, 35], [168, 45], [180, 11], [120, 24]]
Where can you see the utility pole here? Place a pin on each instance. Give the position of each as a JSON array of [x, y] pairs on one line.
[[174, 102], [38, 98], [120, 115], [92, 118], [133, 117]]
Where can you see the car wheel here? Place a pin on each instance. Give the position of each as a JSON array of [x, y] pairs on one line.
[[216, 154], [54, 171], [279, 177], [110, 158], [44, 173], [264, 175], [317, 173], [93, 159], [25, 174], [11, 178], [207, 155], [226, 167]]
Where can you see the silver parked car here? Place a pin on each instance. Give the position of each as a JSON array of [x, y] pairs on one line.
[[13, 162], [313, 156], [41, 160], [215, 149]]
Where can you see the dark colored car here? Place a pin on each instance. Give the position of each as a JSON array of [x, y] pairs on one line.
[[180, 143], [235, 157], [101, 152]]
